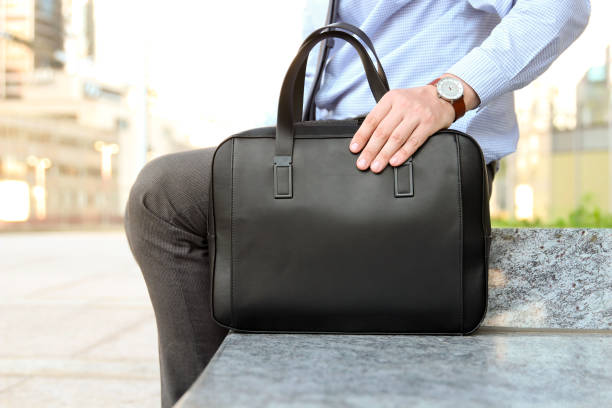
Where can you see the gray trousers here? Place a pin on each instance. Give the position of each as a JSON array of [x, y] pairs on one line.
[[165, 222]]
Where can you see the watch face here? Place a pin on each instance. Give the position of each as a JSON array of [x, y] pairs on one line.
[[450, 88]]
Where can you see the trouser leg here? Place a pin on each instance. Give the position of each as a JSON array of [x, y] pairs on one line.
[[166, 219], [491, 170]]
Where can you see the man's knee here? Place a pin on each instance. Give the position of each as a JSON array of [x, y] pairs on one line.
[[170, 188], [150, 187]]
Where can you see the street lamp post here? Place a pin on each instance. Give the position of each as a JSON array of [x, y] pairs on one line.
[[40, 164], [107, 150]]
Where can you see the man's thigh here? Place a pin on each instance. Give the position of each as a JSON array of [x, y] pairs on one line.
[[175, 188]]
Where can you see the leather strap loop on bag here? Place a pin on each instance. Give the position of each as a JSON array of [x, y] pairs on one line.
[[299, 91], [287, 110]]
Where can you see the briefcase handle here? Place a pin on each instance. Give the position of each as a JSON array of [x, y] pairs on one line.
[[299, 83], [357, 32], [287, 102]]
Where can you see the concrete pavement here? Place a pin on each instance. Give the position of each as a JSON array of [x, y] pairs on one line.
[[76, 323]]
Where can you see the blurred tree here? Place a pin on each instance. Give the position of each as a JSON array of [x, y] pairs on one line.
[[586, 215]]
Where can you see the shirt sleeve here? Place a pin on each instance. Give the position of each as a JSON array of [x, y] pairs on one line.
[[529, 37]]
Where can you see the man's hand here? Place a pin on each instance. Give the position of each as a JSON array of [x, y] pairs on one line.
[[401, 122]]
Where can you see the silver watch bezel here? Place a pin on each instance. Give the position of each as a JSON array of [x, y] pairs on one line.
[[440, 89]]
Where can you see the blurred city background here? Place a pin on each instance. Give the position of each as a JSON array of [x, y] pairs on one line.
[[89, 91]]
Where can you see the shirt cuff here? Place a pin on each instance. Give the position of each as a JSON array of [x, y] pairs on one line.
[[480, 72]]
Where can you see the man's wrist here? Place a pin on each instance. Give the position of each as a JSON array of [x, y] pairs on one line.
[[470, 97]]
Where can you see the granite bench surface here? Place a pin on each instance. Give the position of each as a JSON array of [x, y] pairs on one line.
[[488, 369], [550, 278], [546, 342]]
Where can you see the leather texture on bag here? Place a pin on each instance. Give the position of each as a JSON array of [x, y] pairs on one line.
[[344, 254]]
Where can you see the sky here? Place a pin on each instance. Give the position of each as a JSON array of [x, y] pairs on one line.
[[217, 66]]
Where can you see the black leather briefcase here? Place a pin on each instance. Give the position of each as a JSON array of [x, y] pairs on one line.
[[302, 241]]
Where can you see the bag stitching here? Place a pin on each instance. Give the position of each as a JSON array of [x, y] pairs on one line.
[[460, 208], [232, 244]]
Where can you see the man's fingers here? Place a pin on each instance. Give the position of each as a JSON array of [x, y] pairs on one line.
[[370, 123], [397, 126], [398, 138], [416, 140], [377, 141]]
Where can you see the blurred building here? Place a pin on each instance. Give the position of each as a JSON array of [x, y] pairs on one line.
[[522, 185], [34, 36], [54, 138], [55, 128], [559, 159], [66, 134], [48, 39], [581, 156]]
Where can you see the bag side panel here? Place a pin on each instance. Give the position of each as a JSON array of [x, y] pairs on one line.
[[221, 234], [476, 230]]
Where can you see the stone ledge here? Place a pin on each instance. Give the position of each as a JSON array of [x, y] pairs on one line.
[[550, 278], [490, 368]]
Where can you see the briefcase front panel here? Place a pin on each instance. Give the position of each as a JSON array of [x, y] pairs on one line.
[[347, 252]]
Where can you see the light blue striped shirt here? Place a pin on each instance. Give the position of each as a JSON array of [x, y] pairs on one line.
[[496, 46]]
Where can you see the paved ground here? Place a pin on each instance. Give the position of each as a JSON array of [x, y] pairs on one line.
[[76, 323]]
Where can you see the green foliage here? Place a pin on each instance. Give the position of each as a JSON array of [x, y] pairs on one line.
[[586, 215], [514, 223]]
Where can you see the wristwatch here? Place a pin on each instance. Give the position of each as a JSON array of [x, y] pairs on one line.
[[451, 89]]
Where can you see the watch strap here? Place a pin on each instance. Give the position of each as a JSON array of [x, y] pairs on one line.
[[458, 105]]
